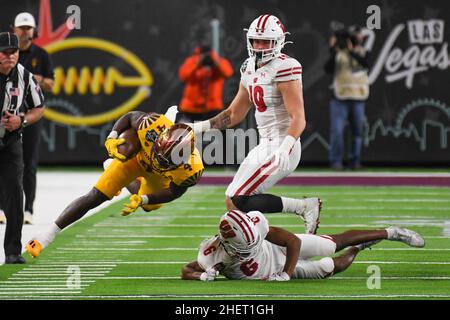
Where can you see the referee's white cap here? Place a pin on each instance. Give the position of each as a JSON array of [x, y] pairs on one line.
[[24, 19]]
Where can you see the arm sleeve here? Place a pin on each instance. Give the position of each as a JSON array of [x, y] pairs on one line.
[[34, 97], [289, 70]]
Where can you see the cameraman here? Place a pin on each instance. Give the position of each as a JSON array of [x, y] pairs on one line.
[[348, 63], [204, 73]]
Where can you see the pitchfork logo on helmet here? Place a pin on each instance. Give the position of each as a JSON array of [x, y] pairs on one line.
[[266, 27], [173, 147], [238, 235]]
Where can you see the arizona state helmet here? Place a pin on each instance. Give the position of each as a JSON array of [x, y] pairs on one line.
[[173, 147]]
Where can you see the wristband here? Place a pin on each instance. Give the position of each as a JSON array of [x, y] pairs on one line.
[[201, 126], [144, 200], [113, 135]]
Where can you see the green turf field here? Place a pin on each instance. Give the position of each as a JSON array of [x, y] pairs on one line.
[[140, 256]]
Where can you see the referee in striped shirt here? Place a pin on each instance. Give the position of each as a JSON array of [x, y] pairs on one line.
[[18, 91]]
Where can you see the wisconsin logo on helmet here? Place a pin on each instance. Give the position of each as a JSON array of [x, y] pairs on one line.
[[266, 27], [174, 146], [238, 235]]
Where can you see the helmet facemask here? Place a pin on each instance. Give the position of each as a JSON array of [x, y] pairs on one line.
[[240, 251], [263, 56]]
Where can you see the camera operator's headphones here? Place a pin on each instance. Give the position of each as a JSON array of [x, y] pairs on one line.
[[25, 19]]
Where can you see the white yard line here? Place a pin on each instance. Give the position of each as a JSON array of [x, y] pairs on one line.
[[331, 278], [354, 225], [218, 296], [184, 262], [112, 236], [87, 248]]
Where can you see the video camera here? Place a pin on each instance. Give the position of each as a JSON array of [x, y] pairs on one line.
[[207, 60], [343, 34]]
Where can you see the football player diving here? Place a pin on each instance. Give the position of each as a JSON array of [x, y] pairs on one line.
[[165, 166], [248, 248]]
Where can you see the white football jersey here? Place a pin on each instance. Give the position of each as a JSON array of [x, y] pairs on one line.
[[271, 116], [268, 260]]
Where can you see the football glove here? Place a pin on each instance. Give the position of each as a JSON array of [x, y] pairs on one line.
[[209, 275], [111, 145], [282, 153], [279, 276], [135, 203], [171, 113]]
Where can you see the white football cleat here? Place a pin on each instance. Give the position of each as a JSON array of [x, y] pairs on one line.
[[311, 214], [407, 236], [27, 217]]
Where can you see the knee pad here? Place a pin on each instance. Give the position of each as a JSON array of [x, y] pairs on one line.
[[327, 265]]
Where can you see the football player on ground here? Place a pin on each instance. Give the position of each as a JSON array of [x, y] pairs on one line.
[[167, 165], [248, 248], [272, 82]]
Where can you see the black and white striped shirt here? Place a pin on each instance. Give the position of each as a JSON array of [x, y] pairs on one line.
[[20, 93]]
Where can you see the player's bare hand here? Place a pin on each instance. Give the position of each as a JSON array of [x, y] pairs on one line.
[[111, 146], [133, 205]]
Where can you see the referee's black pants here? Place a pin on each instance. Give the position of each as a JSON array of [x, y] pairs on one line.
[[31, 141], [11, 194]]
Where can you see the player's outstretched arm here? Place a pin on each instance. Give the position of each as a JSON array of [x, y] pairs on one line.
[[193, 271], [292, 244], [161, 196], [229, 117]]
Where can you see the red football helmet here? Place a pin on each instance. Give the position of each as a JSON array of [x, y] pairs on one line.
[[173, 147]]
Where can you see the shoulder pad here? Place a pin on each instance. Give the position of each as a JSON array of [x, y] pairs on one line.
[[244, 66]]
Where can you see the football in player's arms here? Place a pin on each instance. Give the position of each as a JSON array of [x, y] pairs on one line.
[[131, 146], [145, 150]]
